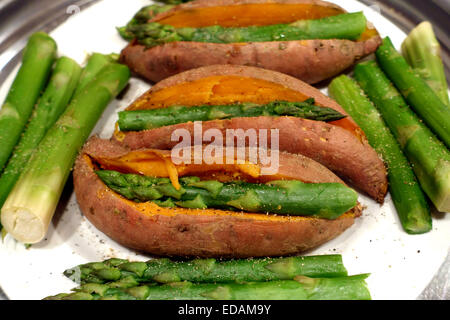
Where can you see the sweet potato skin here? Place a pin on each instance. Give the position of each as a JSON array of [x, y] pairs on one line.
[[187, 232], [309, 60]]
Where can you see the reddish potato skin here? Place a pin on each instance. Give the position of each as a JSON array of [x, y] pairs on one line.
[[309, 60], [194, 235]]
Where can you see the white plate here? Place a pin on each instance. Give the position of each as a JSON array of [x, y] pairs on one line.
[[401, 265]]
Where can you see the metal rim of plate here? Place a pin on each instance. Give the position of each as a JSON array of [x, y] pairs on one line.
[[46, 15]]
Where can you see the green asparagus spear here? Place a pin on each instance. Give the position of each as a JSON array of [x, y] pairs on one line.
[[345, 26], [142, 17], [37, 61], [429, 157], [415, 90], [423, 52], [301, 288], [408, 198], [29, 207], [95, 64], [209, 270], [323, 200], [174, 1], [52, 104], [149, 119]]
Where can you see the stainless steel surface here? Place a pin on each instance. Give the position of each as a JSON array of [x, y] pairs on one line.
[[20, 18], [439, 287]]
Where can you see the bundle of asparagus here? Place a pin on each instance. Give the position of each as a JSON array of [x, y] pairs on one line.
[[408, 198], [428, 156], [294, 278], [38, 57], [42, 161], [53, 102], [419, 95]]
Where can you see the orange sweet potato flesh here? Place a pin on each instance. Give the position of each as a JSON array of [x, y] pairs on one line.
[[195, 232], [247, 14], [217, 90], [341, 145], [309, 60]]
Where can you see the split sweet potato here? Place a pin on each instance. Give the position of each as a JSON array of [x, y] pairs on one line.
[[199, 232], [309, 60], [340, 145]]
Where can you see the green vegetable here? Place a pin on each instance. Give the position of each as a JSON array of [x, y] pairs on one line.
[[423, 52], [29, 208], [415, 90], [429, 157], [345, 26], [38, 57], [406, 193], [52, 104], [324, 200], [96, 62], [302, 288], [142, 17], [149, 119], [174, 1], [209, 270]]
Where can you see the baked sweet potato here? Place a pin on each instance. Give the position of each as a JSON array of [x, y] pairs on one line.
[[340, 145], [309, 60], [196, 232]]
